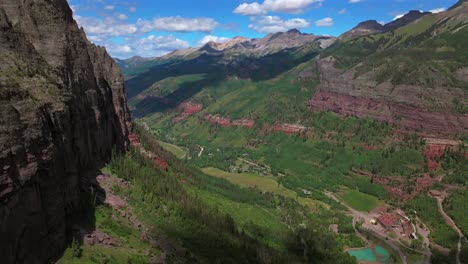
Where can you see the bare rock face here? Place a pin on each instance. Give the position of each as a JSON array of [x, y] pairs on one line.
[[62, 111], [422, 110]]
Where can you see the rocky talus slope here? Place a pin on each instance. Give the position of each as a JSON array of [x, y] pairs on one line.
[[62, 111]]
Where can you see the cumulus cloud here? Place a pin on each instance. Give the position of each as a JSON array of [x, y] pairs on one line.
[[252, 9], [124, 38], [105, 27], [159, 45], [354, 1], [438, 10], [122, 49], [324, 22], [272, 24], [122, 16], [209, 38], [279, 6], [178, 24]]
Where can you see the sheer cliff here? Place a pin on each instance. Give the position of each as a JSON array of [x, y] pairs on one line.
[[62, 112]]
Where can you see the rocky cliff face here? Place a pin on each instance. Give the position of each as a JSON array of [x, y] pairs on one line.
[[62, 111], [425, 111]]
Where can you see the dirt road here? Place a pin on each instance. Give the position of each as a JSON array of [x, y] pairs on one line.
[[452, 224]]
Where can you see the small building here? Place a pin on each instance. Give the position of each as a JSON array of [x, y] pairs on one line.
[[387, 220], [409, 229]]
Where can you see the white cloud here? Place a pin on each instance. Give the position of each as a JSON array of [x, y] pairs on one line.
[[252, 9], [178, 24], [209, 38], [324, 22], [273, 24], [152, 46], [354, 1], [438, 10], [132, 9], [121, 49], [122, 16], [123, 39], [279, 6], [342, 11], [109, 7], [105, 27], [96, 38]]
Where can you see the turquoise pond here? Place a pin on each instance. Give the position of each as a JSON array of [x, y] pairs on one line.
[[374, 254]]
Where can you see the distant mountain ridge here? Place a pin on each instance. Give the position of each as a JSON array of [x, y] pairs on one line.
[[132, 62], [393, 66], [372, 26], [239, 46]]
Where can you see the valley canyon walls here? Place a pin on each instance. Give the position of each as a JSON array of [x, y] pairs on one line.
[[62, 112]]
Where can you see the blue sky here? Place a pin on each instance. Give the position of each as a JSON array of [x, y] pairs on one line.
[[155, 27]]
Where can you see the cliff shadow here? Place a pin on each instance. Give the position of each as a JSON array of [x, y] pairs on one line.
[[82, 220], [187, 90], [202, 65]]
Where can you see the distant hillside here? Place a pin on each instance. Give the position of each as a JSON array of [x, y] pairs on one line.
[[410, 72], [414, 75], [372, 26], [234, 50], [255, 59]]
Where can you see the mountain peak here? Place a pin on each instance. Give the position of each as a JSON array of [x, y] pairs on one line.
[[370, 24], [294, 31], [405, 19], [363, 28], [459, 3]]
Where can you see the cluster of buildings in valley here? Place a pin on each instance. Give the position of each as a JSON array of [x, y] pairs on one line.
[[397, 222]]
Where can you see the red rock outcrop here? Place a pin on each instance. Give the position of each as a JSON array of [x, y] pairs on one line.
[[403, 189], [432, 153], [407, 117], [188, 109], [426, 111], [161, 163], [226, 122], [62, 111], [248, 123], [289, 128]]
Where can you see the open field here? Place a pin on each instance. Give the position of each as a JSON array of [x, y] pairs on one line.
[[252, 218], [176, 150], [264, 184], [360, 201]]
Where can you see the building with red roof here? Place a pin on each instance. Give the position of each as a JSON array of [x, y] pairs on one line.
[[387, 220]]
